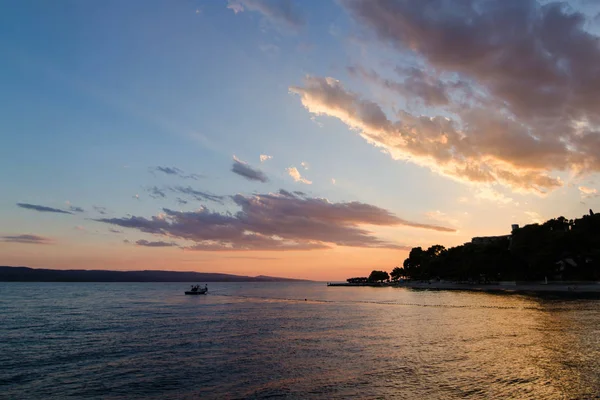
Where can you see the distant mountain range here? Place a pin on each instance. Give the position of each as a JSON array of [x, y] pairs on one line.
[[25, 274]]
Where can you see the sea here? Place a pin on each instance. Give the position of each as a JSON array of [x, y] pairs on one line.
[[292, 341]]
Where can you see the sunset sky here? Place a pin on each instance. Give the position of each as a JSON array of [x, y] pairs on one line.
[[307, 139]]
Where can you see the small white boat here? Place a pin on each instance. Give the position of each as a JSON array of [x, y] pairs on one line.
[[196, 289]]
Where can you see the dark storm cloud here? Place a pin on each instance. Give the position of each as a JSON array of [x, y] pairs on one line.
[[243, 169], [274, 222], [39, 208]]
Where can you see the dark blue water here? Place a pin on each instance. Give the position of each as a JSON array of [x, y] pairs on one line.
[[148, 340]]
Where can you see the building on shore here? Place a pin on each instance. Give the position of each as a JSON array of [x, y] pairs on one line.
[[480, 240]]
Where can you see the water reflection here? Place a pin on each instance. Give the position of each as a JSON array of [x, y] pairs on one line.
[[263, 340]]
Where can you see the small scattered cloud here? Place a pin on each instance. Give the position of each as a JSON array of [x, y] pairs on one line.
[[295, 174], [264, 157], [80, 228], [156, 193], [137, 196], [114, 230], [305, 165], [181, 201], [147, 243], [244, 170], [26, 239], [197, 194], [73, 208], [100, 210], [40, 208], [333, 181], [280, 12], [174, 171]]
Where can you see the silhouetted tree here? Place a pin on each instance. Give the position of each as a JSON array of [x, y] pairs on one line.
[[558, 249], [397, 273], [379, 276]]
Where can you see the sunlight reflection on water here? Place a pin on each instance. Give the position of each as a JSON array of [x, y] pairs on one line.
[[257, 340]]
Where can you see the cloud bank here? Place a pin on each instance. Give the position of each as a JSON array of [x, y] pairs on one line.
[[281, 221], [492, 92]]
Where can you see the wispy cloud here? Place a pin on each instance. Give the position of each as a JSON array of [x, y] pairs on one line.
[[280, 12], [245, 170], [534, 217], [295, 174], [264, 157], [74, 208], [282, 221], [588, 192], [440, 216], [156, 193], [100, 210], [197, 194], [26, 239], [40, 208], [174, 171], [146, 243]]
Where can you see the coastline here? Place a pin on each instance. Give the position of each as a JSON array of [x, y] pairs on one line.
[[504, 287]]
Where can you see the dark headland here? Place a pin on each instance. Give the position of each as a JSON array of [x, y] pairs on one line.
[[25, 274]]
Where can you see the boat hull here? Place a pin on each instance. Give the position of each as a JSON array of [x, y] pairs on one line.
[[196, 293]]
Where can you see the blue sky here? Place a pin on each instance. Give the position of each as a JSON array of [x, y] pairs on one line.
[[96, 96]]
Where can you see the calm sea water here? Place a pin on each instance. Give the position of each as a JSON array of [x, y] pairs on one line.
[[149, 340]]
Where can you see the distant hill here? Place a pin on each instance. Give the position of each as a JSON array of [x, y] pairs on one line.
[[25, 274]]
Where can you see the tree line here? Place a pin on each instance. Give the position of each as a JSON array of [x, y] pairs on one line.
[[558, 249]]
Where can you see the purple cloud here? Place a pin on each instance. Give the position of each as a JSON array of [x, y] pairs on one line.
[[506, 90], [39, 208], [155, 244], [26, 239], [174, 171], [244, 170], [279, 221], [196, 194]]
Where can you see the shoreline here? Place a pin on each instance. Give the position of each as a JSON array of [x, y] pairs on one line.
[[512, 287]]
